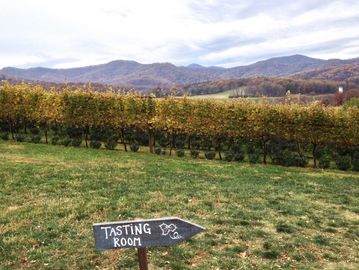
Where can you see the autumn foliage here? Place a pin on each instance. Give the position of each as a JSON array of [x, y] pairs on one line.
[[235, 119]]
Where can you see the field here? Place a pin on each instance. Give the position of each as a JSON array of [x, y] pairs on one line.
[[220, 95], [256, 217], [295, 97]]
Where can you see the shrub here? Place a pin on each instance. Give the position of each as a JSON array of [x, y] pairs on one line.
[[163, 152], [343, 162], [134, 147], [324, 161], [74, 132], [180, 142], [284, 157], [5, 136], [96, 134], [158, 150], [76, 142], [35, 138], [66, 142], [180, 153], [194, 153], [323, 150], [343, 151], [207, 144], [236, 148], [35, 130], [356, 161], [284, 152], [139, 137], [95, 144], [20, 137], [254, 157], [228, 156], [238, 156], [55, 139], [210, 155], [163, 142], [287, 157], [111, 143], [297, 161], [253, 153], [195, 144]]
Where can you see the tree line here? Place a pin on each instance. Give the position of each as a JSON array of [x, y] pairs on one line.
[[267, 86], [177, 123]]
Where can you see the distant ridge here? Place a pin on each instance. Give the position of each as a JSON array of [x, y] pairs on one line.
[[139, 76]]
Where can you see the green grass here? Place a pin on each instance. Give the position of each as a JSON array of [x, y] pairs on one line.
[[256, 217], [221, 95], [294, 97]]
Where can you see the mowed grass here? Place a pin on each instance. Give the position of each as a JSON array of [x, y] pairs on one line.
[[221, 95], [256, 217], [294, 97]]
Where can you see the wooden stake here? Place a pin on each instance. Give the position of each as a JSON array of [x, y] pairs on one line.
[[142, 258]]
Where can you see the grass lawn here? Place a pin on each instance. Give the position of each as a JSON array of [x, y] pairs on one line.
[[220, 95], [294, 97], [256, 217]]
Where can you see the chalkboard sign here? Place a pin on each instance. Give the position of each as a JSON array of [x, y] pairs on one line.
[[143, 233]]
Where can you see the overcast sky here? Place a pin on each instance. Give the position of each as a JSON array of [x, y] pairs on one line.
[[71, 33]]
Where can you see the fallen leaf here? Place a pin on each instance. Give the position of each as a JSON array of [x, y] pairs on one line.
[[242, 254]]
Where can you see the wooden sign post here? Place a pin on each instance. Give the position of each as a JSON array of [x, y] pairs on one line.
[[142, 234]]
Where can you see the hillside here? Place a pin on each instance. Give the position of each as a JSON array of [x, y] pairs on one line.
[[262, 86], [338, 73], [128, 74], [131, 74], [256, 217]]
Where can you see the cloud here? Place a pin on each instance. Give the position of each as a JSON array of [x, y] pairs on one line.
[[68, 33]]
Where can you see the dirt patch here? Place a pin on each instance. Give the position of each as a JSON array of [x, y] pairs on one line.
[[268, 227], [350, 215], [200, 256], [10, 209]]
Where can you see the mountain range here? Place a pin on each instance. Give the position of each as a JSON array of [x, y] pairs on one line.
[[131, 74]]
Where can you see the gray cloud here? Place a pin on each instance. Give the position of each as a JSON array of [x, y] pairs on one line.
[[214, 11], [286, 11], [48, 62], [215, 32]]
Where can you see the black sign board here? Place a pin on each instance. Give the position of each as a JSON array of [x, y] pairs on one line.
[[143, 233]]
